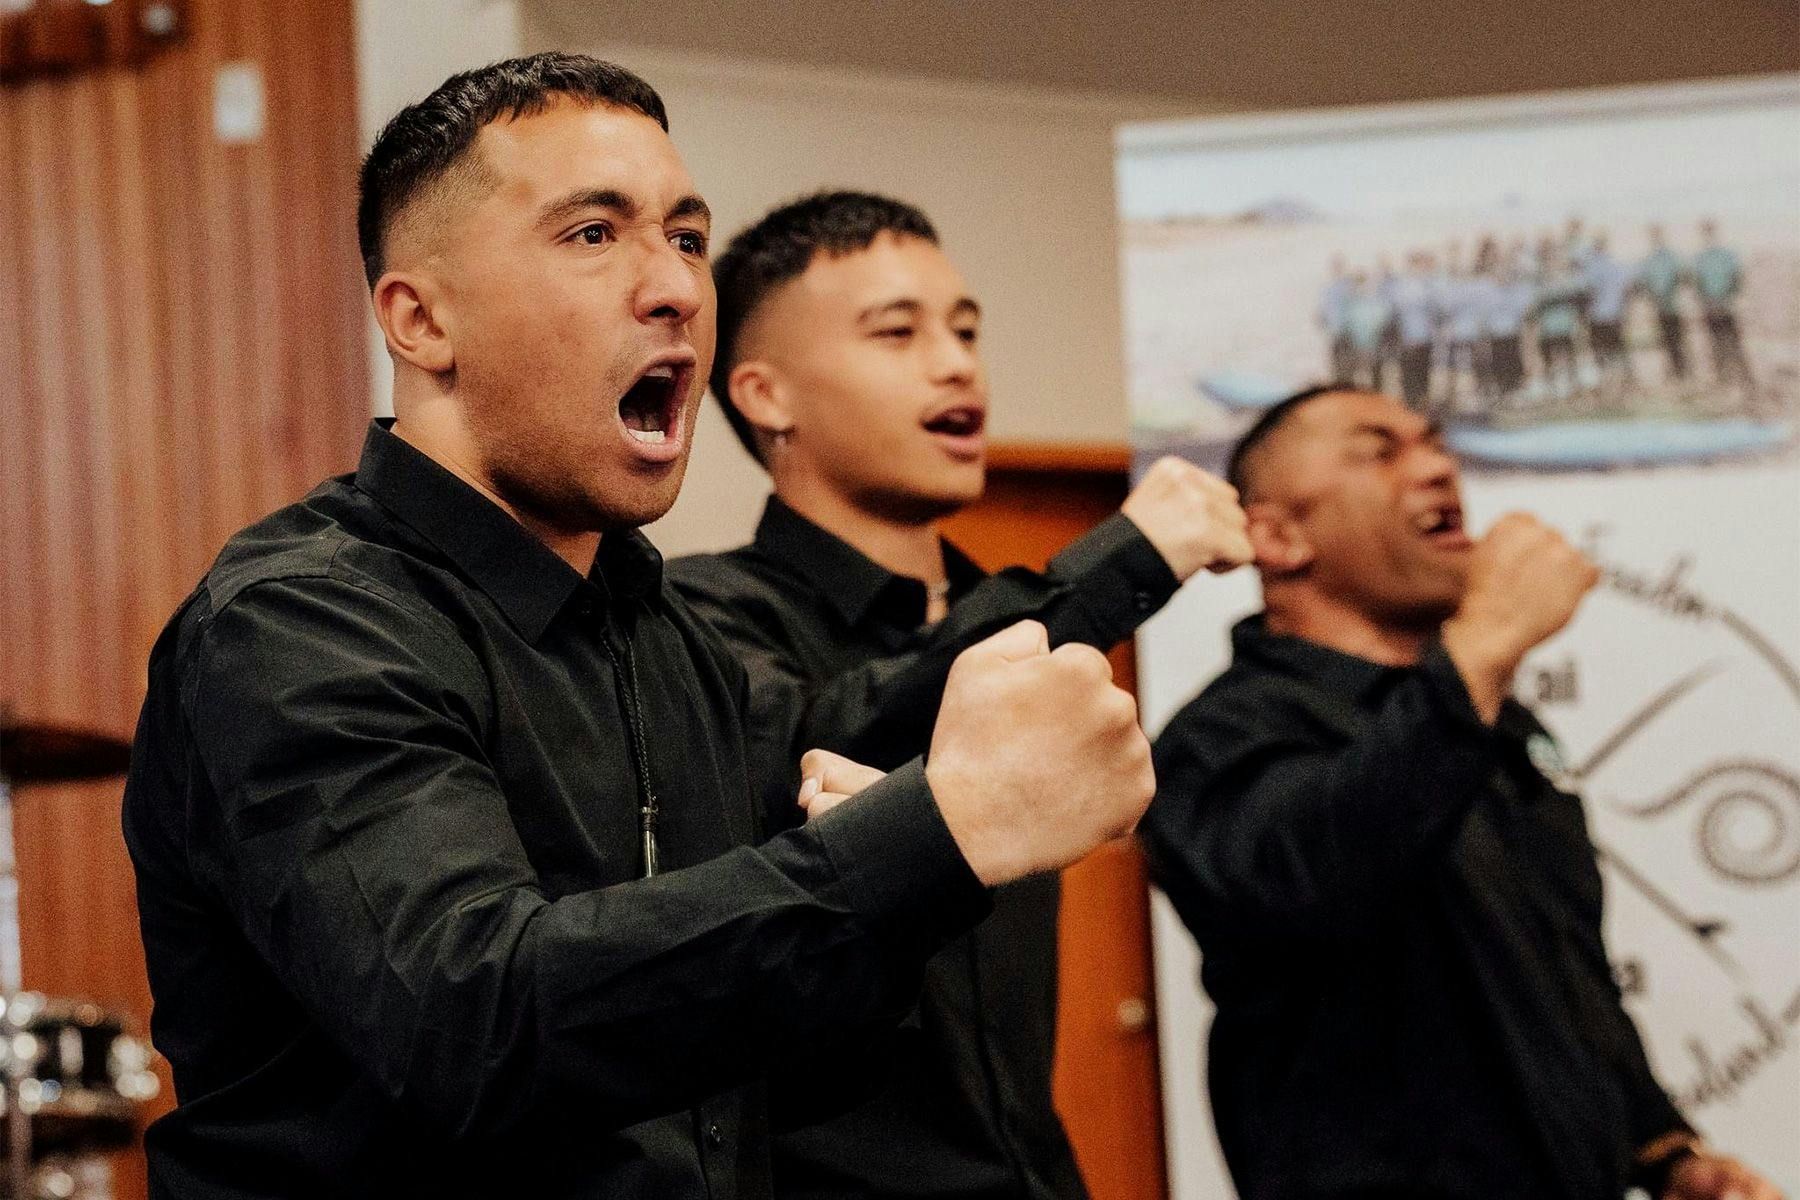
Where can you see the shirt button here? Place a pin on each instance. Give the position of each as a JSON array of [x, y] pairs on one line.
[[1143, 601], [715, 1137]]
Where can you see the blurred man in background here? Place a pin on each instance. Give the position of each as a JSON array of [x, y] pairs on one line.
[[1399, 912], [1561, 295], [1510, 303], [1660, 277], [850, 367], [1609, 281], [1718, 276], [1416, 317], [1333, 317]]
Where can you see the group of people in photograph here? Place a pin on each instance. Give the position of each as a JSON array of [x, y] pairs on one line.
[[1521, 323], [481, 853]]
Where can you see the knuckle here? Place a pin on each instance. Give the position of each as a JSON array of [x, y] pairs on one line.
[[1083, 659], [1119, 711]]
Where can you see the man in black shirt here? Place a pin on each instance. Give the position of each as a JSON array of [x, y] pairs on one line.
[[849, 364], [439, 805], [1398, 912]]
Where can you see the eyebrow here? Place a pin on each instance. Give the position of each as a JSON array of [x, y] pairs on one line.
[[557, 211], [913, 308], [1434, 430], [689, 205]]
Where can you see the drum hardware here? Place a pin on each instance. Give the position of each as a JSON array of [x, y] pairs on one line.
[[72, 1080]]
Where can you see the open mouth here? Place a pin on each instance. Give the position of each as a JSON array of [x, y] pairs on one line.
[[650, 409], [963, 421], [1443, 525]]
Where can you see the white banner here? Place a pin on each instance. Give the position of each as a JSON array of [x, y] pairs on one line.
[[1600, 297]]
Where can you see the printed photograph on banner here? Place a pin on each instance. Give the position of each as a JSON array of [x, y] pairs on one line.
[[1562, 289], [1597, 297]]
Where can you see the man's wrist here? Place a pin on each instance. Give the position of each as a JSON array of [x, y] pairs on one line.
[[1118, 578], [1486, 663]]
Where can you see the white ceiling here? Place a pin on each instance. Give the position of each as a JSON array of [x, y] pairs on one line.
[[1278, 53]]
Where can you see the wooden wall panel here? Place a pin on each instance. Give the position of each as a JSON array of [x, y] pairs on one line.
[[1107, 1086], [181, 350]]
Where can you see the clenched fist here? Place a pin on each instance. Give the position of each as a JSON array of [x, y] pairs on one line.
[[1037, 757], [1192, 518], [1525, 583], [827, 780]]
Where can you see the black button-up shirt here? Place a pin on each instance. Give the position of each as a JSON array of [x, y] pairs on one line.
[[839, 658], [385, 809], [1399, 918]]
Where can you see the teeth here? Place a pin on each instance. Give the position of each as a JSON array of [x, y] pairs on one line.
[[652, 436], [663, 371]]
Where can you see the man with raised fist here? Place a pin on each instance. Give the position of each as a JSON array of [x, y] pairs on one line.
[[439, 805], [1398, 909], [850, 366]]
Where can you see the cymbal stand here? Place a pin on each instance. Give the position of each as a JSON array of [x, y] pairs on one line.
[[14, 1067]]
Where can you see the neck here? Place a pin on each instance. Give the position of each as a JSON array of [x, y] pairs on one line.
[[436, 428], [1348, 630], [909, 548]]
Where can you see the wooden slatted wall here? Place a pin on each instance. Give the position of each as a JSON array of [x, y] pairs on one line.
[[181, 350]]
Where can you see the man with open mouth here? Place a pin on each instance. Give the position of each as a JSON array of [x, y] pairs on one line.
[[439, 808], [1398, 910], [850, 367]]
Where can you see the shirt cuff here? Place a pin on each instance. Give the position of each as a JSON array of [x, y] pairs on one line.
[[1448, 686], [1118, 576], [899, 865]]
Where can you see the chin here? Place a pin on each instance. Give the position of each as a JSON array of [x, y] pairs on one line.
[[964, 488], [641, 508], [1429, 611], [627, 500]]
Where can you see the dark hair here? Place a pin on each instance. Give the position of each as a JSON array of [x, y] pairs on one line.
[[425, 140], [1272, 419], [780, 247]]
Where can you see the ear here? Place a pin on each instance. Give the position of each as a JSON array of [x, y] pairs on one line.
[[410, 321], [1280, 541], [757, 392]]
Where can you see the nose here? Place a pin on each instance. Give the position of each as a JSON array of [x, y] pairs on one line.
[[1432, 464], [671, 288], [953, 360]]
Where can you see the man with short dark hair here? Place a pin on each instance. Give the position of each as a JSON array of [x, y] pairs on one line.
[[439, 806], [1398, 911], [849, 364]]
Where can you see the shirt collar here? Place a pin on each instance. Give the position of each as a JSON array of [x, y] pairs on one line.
[[523, 576], [1339, 672], [854, 584]]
